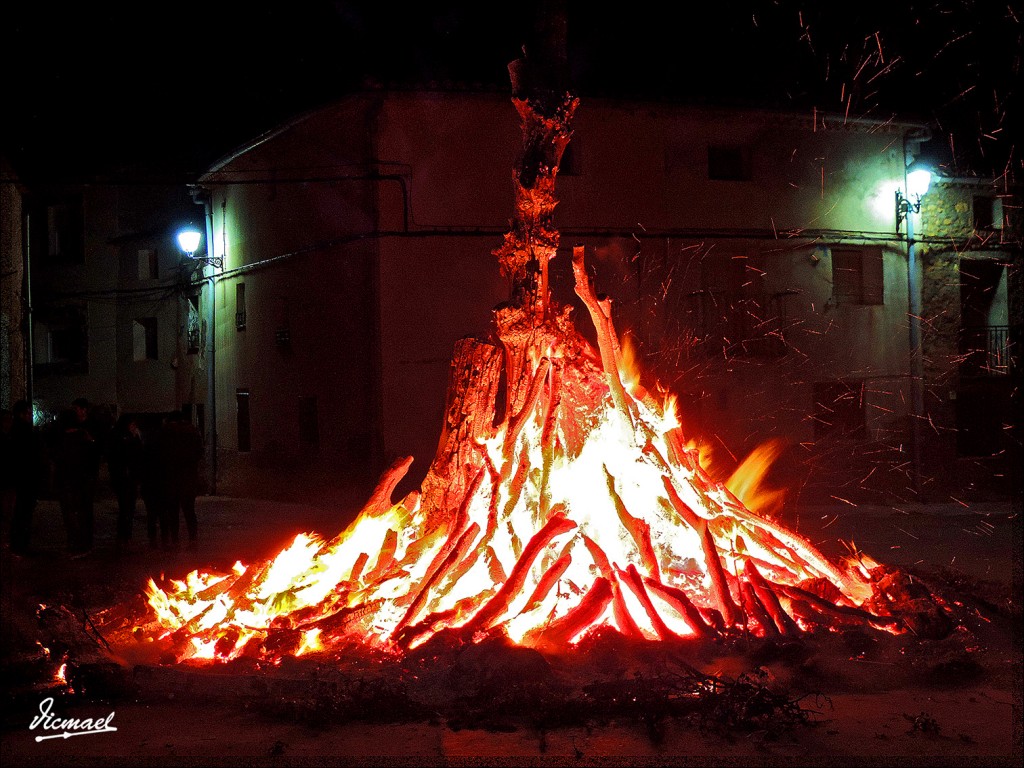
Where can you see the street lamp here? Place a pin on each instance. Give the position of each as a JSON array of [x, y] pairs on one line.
[[917, 178], [188, 241]]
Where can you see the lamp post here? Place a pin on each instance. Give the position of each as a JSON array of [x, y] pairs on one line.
[[188, 241], [917, 179]]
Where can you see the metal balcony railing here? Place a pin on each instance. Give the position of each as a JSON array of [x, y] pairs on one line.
[[984, 351]]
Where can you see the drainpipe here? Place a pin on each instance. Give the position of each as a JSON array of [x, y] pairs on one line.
[[211, 367], [26, 303], [916, 356], [202, 197], [912, 141]]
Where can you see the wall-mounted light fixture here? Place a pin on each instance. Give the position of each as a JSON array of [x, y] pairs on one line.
[[919, 178], [188, 241]]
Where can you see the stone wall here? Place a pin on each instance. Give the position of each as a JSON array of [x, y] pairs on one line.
[[947, 237]]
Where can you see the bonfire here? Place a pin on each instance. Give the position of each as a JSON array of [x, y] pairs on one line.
[[564, 498]]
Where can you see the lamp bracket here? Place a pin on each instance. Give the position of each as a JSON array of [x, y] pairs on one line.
[[905, 206]]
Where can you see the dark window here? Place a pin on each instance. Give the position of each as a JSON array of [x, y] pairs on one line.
[[64, 231], [148, 266], [734, 314], [983, 213], [839, 409], [244, 436], [144, 336], [61, 339], [728, 163], [240, 307], [309, 428], [857, 276], [64, 344]]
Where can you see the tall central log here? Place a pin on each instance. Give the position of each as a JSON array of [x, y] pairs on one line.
[[484, 375]]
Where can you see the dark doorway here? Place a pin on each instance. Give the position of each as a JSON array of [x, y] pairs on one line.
[[979, 282], [983, 401]]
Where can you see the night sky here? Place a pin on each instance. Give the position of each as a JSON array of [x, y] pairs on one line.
[[100, 86]]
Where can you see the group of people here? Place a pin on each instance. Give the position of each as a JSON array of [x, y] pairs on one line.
[[162, 466], [163, 469]]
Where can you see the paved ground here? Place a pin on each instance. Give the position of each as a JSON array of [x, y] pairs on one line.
[[981, 720]]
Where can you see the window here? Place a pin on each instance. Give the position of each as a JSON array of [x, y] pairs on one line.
[[240, 307], [61, 339], [728, 163], [839, 409], [857, 276], [733, 312], [244, 436], [64, 230], [144, 339], [988, 213], [194, 329], [56, 227], [309, 428], [148, 269]]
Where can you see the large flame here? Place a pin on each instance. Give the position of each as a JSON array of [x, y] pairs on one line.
[[747, 481], [628, 532]]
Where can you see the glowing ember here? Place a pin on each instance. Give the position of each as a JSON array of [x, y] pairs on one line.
[[584, 507]]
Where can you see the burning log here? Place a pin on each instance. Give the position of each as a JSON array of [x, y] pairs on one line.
[[558, 634], [837, 613], [456, 553], [667, 550], [755, 608], [678, 599], [635, 583], [501, 602], [770, 601]]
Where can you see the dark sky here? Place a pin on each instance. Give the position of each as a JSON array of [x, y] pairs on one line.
[[95, 85]]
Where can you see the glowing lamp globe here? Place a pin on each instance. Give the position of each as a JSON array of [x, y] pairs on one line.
[[919, 178], [188, 241]]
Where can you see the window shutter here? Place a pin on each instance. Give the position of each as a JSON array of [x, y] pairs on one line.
[[872, 280]]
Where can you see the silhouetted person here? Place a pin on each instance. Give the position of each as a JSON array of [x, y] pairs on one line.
[[181, 449], [82, 410], [26, 465], [124, 463], [151, 482], [76, 464]]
